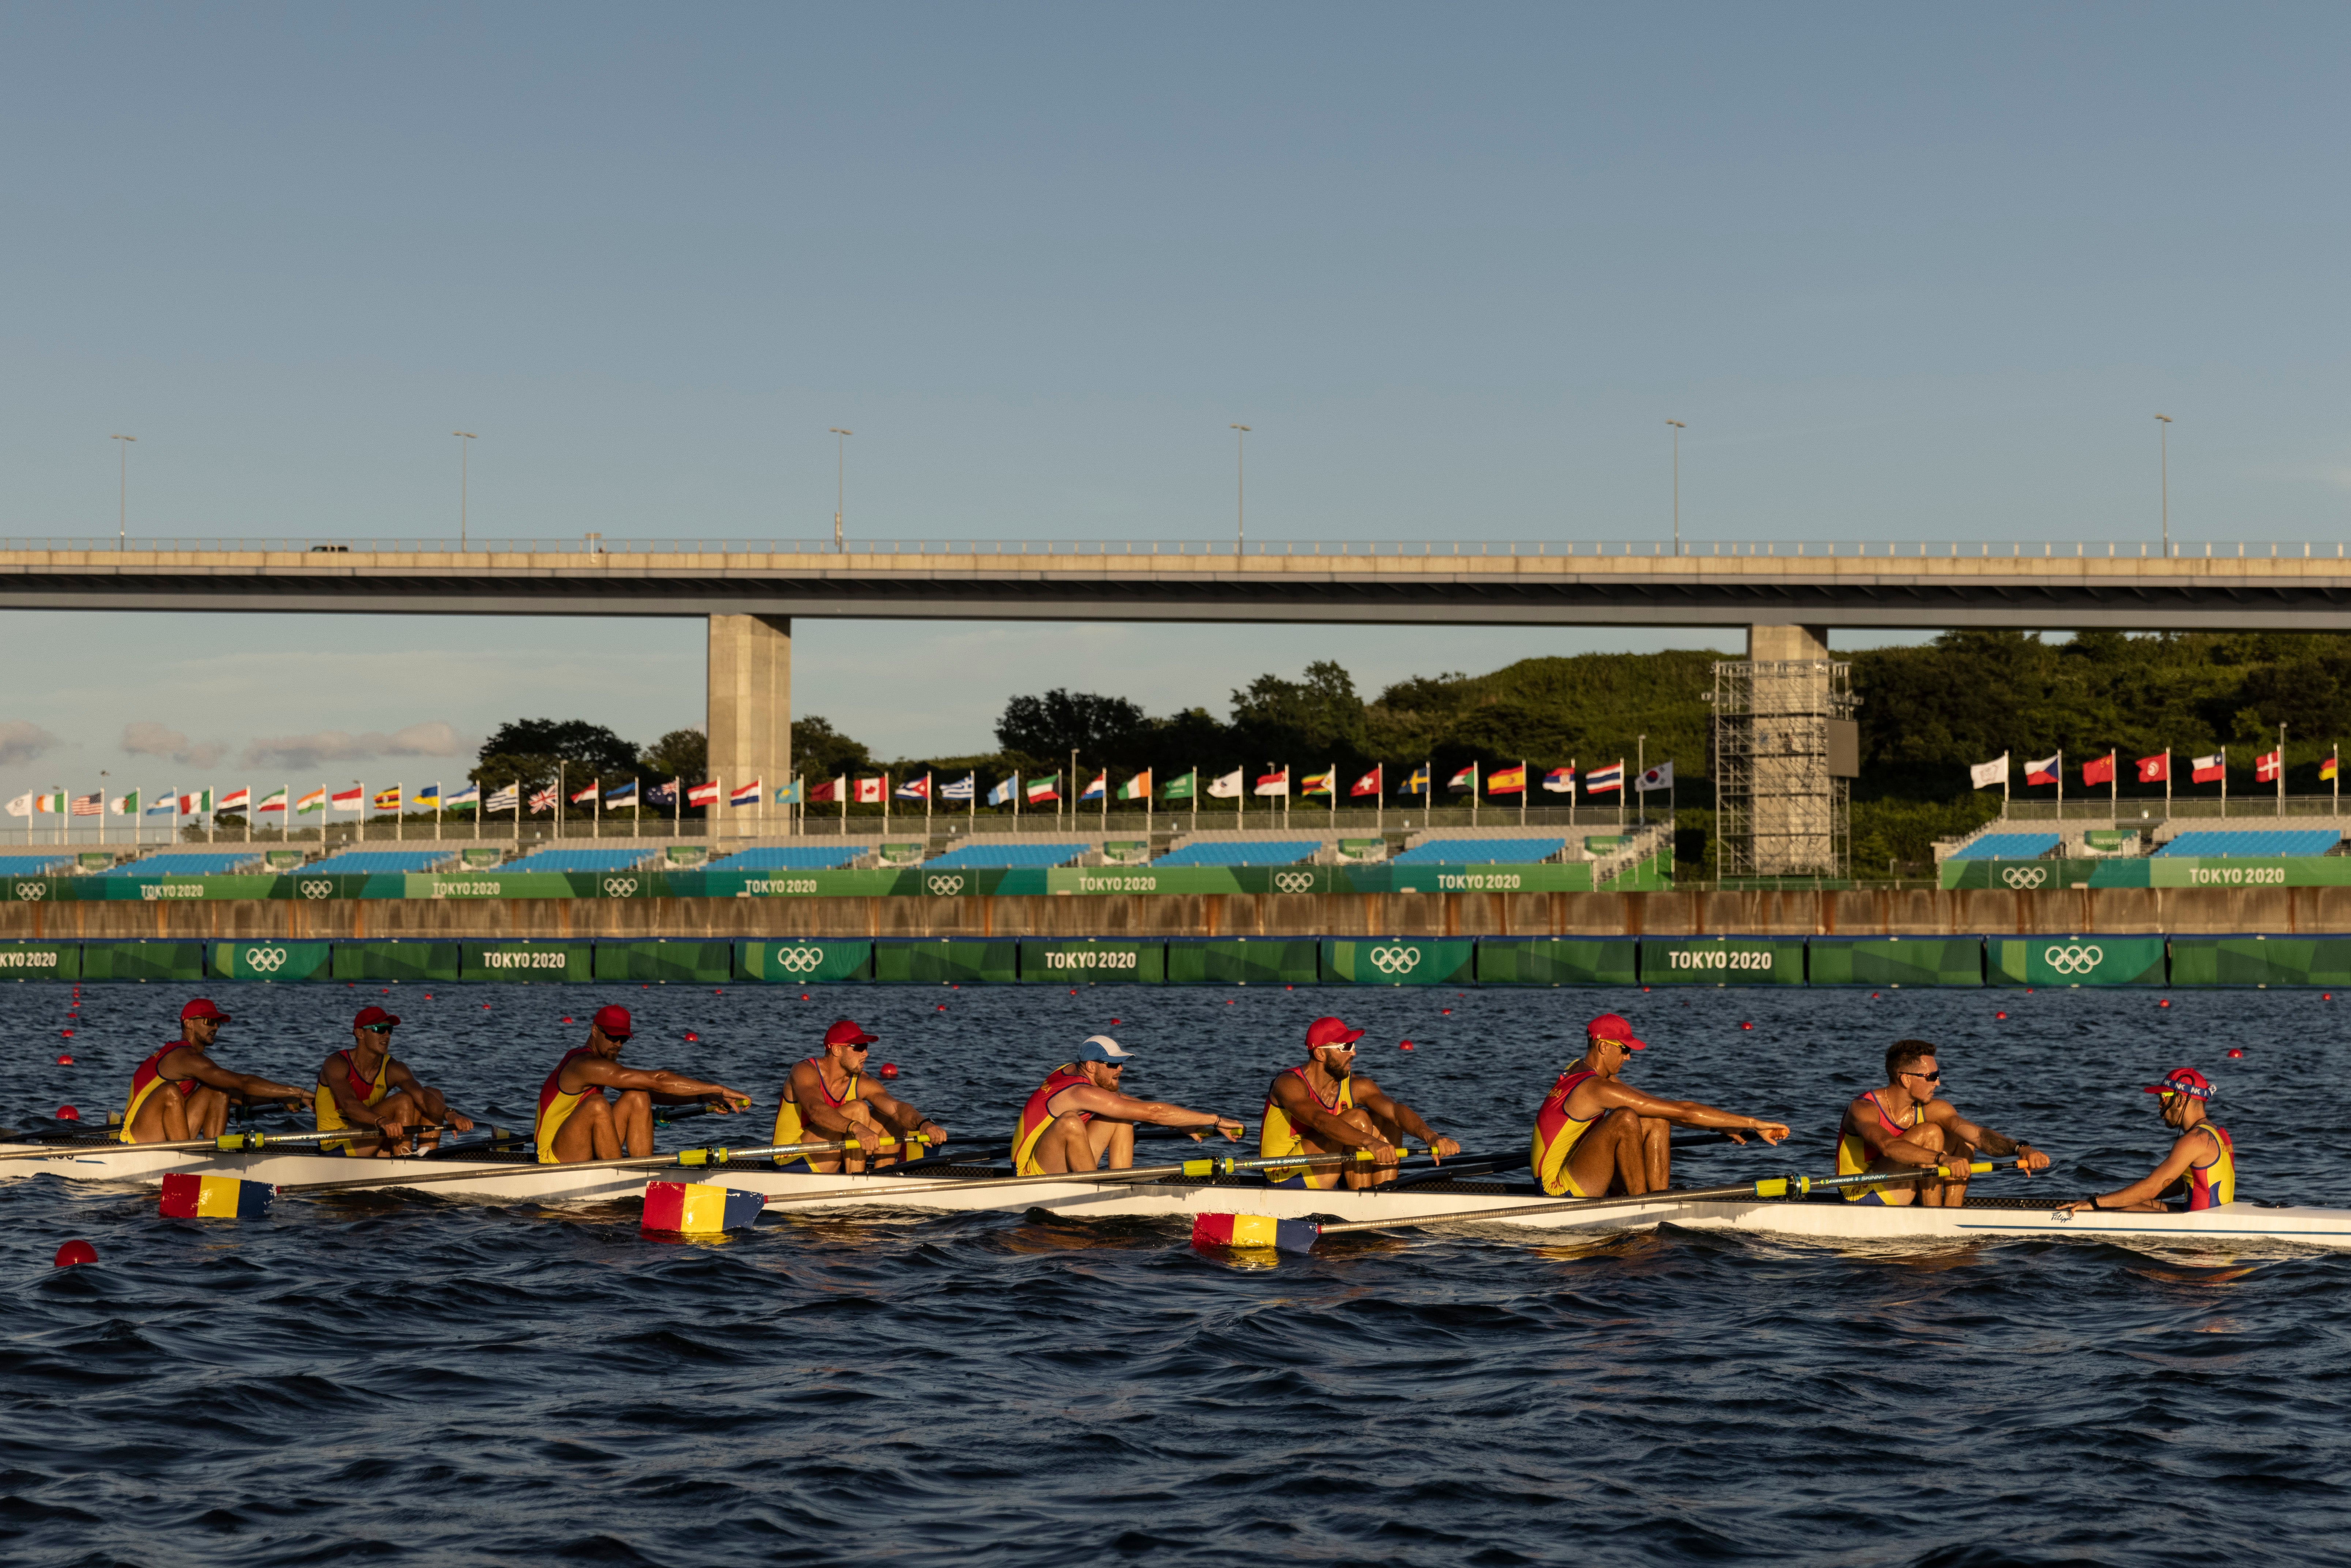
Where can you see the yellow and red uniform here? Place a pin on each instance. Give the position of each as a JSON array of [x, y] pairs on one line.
[[1855, 1152], [792, 1129], [148, 1077], [556, 1104], [1277, 1139], [1556, 1135], [1038, 1114], [327, 1114], [2214, 1182]]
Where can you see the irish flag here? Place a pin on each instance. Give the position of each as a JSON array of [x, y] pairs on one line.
[[1137, 788]]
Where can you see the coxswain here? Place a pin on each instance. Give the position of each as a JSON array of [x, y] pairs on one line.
[[1598, 1136], [180, 1092], [2200, 1171], [1908, 1126], [1078, 1118], [367, 1086], [577, 1123], [828, 1098], [1325, 1107]]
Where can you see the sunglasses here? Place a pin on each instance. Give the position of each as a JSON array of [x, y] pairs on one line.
[[1934, 1077], [375, 1028], [866, 1046]]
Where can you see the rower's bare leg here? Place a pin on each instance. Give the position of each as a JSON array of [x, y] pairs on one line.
[[1658, 1153], [1609, 1158], [633, 1121], [431, 1110], [399, 1107], [588, 1134], [1359, 1178], [1066, 1148], [207, 1110], [1114, 1140]]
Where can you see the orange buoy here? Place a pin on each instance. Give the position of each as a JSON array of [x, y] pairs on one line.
[[2165, 1003], [74, 1252]]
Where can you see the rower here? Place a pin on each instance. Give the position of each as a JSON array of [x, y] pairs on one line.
[[367, 1086], [1598, 1136], [577, 1123], [1078, 1118], [828, 1098], [1907, 1125], [180, 1092], [2200, 1171], [1325, 1106]]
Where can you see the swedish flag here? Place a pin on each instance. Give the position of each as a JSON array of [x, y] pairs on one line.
[[1417, 783]]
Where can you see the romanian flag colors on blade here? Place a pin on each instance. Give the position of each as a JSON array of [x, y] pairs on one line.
[[190, 1196], [698, 1208], [1254, 1230]]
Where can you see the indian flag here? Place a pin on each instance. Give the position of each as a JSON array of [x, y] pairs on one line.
[[316, 801], [1139, 787]]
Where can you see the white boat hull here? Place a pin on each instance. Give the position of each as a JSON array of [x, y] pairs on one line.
[[2231, 1225]]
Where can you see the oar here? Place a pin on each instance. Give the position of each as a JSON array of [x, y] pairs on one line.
[[1299, 1235], [226, 1143], [682, 1157]]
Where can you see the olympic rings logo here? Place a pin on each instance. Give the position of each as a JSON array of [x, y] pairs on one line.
[[2025, 875], [32, 892], [2076, 960], [800, 960], [620, 886], [1292, 880], [317, 888], [264, 960], [1394, 960], [943, 886]]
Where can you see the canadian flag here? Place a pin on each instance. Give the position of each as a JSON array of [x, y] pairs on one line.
[[869, 791], [2155, 769], [703, 794], [2266, 769], [2211, 769]]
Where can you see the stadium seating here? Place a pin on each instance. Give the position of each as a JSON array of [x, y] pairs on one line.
[[2253, 841], [375, 862], [188, 863], [585, 858], [1278, 851], [2008, 847], [1005, 856], [1478, 851], [34, 865], [778, 858]]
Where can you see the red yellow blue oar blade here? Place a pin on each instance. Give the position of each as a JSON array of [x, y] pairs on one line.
[[1254, 1230], [699, 1208], [190, 1196]]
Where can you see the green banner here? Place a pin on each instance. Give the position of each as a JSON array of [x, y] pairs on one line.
[[946, 961], [2207, 871], [1894, 962], [142, 960], [1092, 962], [1722, 961], [2074, 961], [395, 961], [806, 961], [658, 963], [1399, 961], [268, 961], [47, 889], [524, 961], [1244, 961], [2261, 961], [1556, 961], [40, 961], [1570, 876]]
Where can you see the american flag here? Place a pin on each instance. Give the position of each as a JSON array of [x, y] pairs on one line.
[[88, 805]]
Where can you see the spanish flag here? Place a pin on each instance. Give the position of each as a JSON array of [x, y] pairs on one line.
[[1507, 780]]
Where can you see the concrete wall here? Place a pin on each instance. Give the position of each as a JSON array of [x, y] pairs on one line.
[[1922, 912]]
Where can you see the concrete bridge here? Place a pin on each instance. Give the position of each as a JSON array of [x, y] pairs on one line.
[[1785, 595]]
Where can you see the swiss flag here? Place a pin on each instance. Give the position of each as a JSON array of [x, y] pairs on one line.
[[2098, 771], [2265, 768], [2155, 769], [1369, 784]]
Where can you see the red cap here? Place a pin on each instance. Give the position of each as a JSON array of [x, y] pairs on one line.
[[1609, 1026], [2183, 1080], [614, 1022], [370, 1015], [847, 1033], [1325, 1031], [202, 1007]]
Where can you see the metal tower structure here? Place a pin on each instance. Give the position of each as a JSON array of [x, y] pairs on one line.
[[1785, 749]]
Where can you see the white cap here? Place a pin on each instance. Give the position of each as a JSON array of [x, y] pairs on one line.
[[1101, 1047]]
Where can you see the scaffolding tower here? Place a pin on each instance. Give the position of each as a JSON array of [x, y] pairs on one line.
[[1785, 751]]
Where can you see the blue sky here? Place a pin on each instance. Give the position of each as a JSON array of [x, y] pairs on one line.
[[1906, 273]]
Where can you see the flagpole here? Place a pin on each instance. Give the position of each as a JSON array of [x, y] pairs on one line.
[[636, 807], [2060, 790], [1380, 800], [1620, 795], [2225, 782], [2114, 785], [562, 803], [1474, 782], [2281, 771], [2167, 780], [2338, 779], [1523, 793]]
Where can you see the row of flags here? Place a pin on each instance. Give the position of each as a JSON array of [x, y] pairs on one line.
[[396, 797], [1276, 782], [2157, 770]]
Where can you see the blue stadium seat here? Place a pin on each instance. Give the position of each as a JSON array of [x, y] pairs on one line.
[[1480, 852], [2261, 841], [188, 863], [1005, 856], [378, 863], [1284, 851], [798, 858], [34, 865], [2008, 847], [599, 857]]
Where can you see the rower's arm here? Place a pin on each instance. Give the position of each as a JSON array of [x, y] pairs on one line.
[[1112, 1104], [672, 1088], [817, 1109], [1371, 1098], [1304, 1110], [205, 1071], [2156, 1183], [900, 1117], [1686, 1113], [1985, 1138], [429, 1100]]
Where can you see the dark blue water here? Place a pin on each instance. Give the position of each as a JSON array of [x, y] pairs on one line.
[[411, 1381]]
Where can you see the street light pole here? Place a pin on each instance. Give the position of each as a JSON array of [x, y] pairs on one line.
[[840, 484], [2163, 450], [1678, 428], [1240, 487], [122, 517], [463, 451]]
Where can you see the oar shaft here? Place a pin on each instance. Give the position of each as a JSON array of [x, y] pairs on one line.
[[636, 1162], [226, 1143], [1137, 1173]]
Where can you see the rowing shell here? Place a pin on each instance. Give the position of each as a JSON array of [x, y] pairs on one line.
[[517, 1180]]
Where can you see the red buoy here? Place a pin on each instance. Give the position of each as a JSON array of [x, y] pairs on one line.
[[1445, 1011], [889, 1069], [1406, 1046], [67, 1033], [74, 1252], [1999, 1015], [65, 1061], [2236, 1053], [67, 1114], [691, 1035], [2165, 1003], [804, 995], [567, 1018], [1747, 1026]]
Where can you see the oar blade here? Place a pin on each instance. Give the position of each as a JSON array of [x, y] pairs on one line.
[[1254, 1230], [698, 1208], [190, 1196]]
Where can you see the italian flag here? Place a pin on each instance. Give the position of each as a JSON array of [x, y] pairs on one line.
[[1139, 787]]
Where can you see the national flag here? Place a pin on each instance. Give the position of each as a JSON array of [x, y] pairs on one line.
[[1323, 783], [1984, 775], [2211, 770], [661, 794], [544, 800], [622, 795], [1097, 790], [2268, 767], [1135, 788], [1226, 786], [1507, 780], [1046, 788], [586, 797], [2043, 771], [869, 789], [828, 791], [273, 801], [22, 806], [236, 800], [195, 803], [388, 799], [1369, 784], [315, 800], [2155, 770], [470, 796], [962, 788], [429, 796], [2098, 771], [1182, 787], [915, 789], [1274, 783], [127, 805], [348, 799], [789, 794], [745, 794], [2326, 769], [1415, 783], [1464, 780], [1602, 781], [166, 804], [89, 805], [1560, 781], [1001, 793], [703, 794], [507, 799], [1661, 776]]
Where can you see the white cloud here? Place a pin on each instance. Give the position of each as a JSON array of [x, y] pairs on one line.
[[148, 738], [22, 741], [434, 737]]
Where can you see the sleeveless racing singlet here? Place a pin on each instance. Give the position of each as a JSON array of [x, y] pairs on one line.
[[1556, 1135], [1854, 1153], [148, 1077], [556, 1105], [1276, 1138], [2214, 1182], [1037, 1115], [792, 1129], [326, 1116]]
